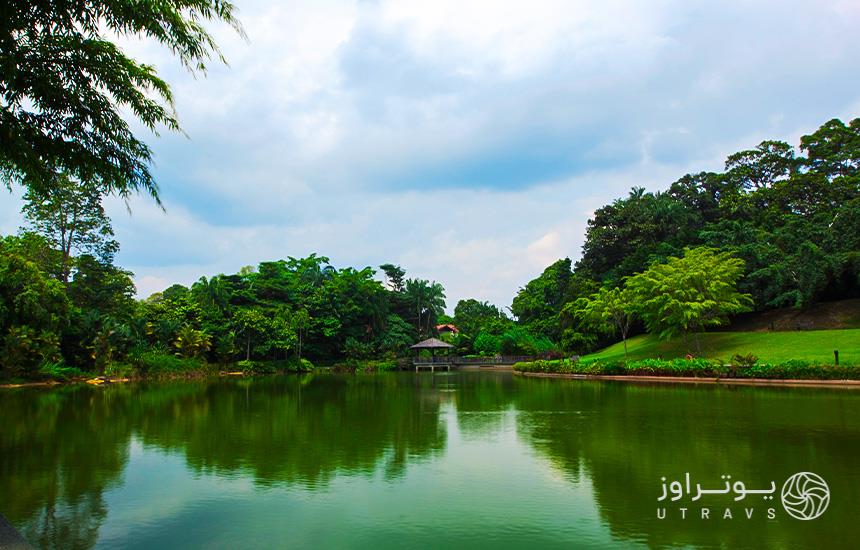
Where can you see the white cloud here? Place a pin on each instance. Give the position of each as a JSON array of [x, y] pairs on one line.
[[468, 141]]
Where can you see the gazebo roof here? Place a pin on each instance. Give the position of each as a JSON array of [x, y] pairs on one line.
[[431, 343]]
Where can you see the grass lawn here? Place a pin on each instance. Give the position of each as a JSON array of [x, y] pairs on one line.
[[769, 347]]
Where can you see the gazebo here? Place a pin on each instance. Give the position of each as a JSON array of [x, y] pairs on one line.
[[434, 345]]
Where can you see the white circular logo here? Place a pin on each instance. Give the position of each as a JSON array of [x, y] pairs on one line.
[[805, 495]]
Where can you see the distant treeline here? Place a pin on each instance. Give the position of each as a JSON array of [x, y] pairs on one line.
[[792, 217]]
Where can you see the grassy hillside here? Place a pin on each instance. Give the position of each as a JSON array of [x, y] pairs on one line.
[[770, 347]]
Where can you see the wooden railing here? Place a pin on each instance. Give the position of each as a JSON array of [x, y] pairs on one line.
[[496, 360], [455, 360]]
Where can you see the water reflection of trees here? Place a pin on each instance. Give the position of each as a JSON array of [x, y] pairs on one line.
[[61, 449], [299, 430], [624, 437]]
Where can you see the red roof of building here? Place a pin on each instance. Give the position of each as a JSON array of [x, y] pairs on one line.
[[449, 326]]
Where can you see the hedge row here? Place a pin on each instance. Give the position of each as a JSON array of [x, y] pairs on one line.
[[696, 368]]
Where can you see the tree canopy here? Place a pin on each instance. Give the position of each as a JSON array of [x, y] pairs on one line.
[[792, 215], [65, 86], [71, 217], [689, 294]]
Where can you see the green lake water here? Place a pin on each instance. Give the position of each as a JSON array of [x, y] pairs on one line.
[[459, 460]]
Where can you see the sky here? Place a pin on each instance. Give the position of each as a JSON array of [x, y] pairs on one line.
[[467, 141]]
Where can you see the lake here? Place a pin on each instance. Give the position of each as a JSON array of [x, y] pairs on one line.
[[459, 460]]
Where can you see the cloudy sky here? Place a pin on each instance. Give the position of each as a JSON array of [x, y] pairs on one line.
[[468, 141]]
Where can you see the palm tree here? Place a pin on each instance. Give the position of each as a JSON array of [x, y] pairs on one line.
[[425, 298], [416, 294], [435, 303]]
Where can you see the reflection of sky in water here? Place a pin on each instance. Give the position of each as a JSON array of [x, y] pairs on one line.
[[456, 460], [491, 489]]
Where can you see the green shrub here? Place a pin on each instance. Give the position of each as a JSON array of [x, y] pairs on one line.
[[748, 360], [796, 369], [57, 370], [158, 362], [249, 366], [293, 364], [379, 365], [356, 349], [367, 365], [802, 370], [120, 370], [300, 365]]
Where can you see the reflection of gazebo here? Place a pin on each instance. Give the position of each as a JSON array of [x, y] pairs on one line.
[[434, 345]]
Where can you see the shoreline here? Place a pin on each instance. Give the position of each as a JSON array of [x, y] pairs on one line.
[[195, 375], [107, 380], [797, 382]]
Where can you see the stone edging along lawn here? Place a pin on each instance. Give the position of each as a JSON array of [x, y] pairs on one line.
[[847, 384]]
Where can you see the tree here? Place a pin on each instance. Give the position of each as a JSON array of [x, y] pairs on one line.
[[833, 149], [252, 323], [487, 344], [416, 291], [539, 303], [282, 333], [397, 336], [690, 293], [761, 167], [33, 311], [435, 303], [65, 86], [624, 237], [97, 286], [71, 217], [225, 347], [394, 275], [608, 310], [301, 322], [425, 298], [701, 194], [471, 316]]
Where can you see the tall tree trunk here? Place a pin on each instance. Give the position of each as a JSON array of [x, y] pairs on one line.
[[247, 347]]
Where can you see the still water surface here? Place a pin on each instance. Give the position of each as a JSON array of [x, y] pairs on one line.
[[459, 460]]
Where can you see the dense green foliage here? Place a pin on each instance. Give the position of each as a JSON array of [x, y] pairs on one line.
[[71, 217], [269, 317], [792, 219], [67, 89], [688, 294], [609, 310], [776, 228]]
